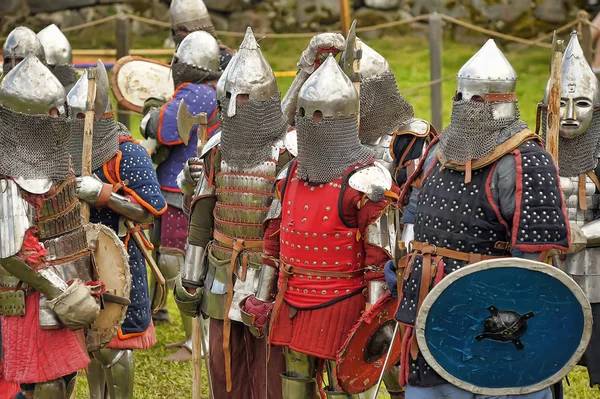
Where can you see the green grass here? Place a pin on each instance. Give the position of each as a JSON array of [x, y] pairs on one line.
[[409, 57]]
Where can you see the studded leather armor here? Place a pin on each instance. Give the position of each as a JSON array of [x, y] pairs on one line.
[[476, 220], [584, 266]]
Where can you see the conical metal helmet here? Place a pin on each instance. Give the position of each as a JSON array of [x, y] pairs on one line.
[[487, 72], [190, 16], [248, 73], [329, 91], [56, 46], [580, 91], [22, 41], [31, 88], [199, 49], [372, 63], [77, 96]]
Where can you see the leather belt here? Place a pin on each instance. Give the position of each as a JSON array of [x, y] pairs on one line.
[[239, 245], [288, 270], [433, 269]]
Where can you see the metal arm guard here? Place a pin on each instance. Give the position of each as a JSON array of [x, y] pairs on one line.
[[267, 282], [194, 268], [46, 281], [125, 207]]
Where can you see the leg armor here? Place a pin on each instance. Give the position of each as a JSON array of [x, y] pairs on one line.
[[169, 262], [117, 365], [333, 391], [96, 380], [392, 383], [298, 382]]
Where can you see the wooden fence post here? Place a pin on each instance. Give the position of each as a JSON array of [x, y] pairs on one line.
[[585, 31], [435, 69], [345, 16], [123, 44]]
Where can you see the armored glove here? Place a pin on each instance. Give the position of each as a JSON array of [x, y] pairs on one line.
[[578, 240], [188, 303], [89, 188], [391, 278], [319, 48], [255, 314], [77, 307], [191, 174]]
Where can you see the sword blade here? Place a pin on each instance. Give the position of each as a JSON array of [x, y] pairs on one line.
[[387, 359]]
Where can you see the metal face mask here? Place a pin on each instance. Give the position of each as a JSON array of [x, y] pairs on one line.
[[580, 91]]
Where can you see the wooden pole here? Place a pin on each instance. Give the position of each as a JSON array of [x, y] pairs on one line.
[[345, 15], [585, 31], [196, 358], [88, 134], [123, 45], [435, 68], [553, 119]]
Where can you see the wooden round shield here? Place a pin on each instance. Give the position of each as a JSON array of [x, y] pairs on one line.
[[134, 79], [360, 361], [112, 264]]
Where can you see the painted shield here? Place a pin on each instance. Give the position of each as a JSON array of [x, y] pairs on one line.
[[112, 264], [135, 79], [360, 361], [504, 326]]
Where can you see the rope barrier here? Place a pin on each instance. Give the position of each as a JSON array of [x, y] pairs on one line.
[[427, 84], [493, 33]]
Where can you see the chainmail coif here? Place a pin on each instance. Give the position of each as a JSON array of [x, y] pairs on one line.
[[579, 154], [247, 138], [328, 148], [34, 146], [382, 107], [473, 131], [204, 24], [66, 74], [186, 73], [105, 142]]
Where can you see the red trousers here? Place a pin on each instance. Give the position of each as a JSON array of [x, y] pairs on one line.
[[248, 369]]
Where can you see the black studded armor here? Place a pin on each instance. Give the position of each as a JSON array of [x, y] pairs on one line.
[[509, 204]]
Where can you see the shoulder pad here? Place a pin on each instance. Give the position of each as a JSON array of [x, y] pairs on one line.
[[214, 141], [373, 180], [290, 141], [416, 127], [284, 171], [34, 186]]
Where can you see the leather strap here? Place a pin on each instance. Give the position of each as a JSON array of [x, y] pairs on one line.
[[238, 245], [581, 192], [255, 244], [502, 149], [426, 248], [493, 97]]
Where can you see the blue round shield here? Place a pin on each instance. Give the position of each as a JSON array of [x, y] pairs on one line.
[[504, 326]]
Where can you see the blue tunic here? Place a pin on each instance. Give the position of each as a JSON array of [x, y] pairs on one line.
[[198, 98], [134, 165]]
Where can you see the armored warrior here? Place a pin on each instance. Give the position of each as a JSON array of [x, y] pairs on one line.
[[578, 152], [124, 186], [20, 42], [59, 55], [189, 16], [487, 189], [47, 286], [387, 122], [322, 236], [195, 72], [232, 198]]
